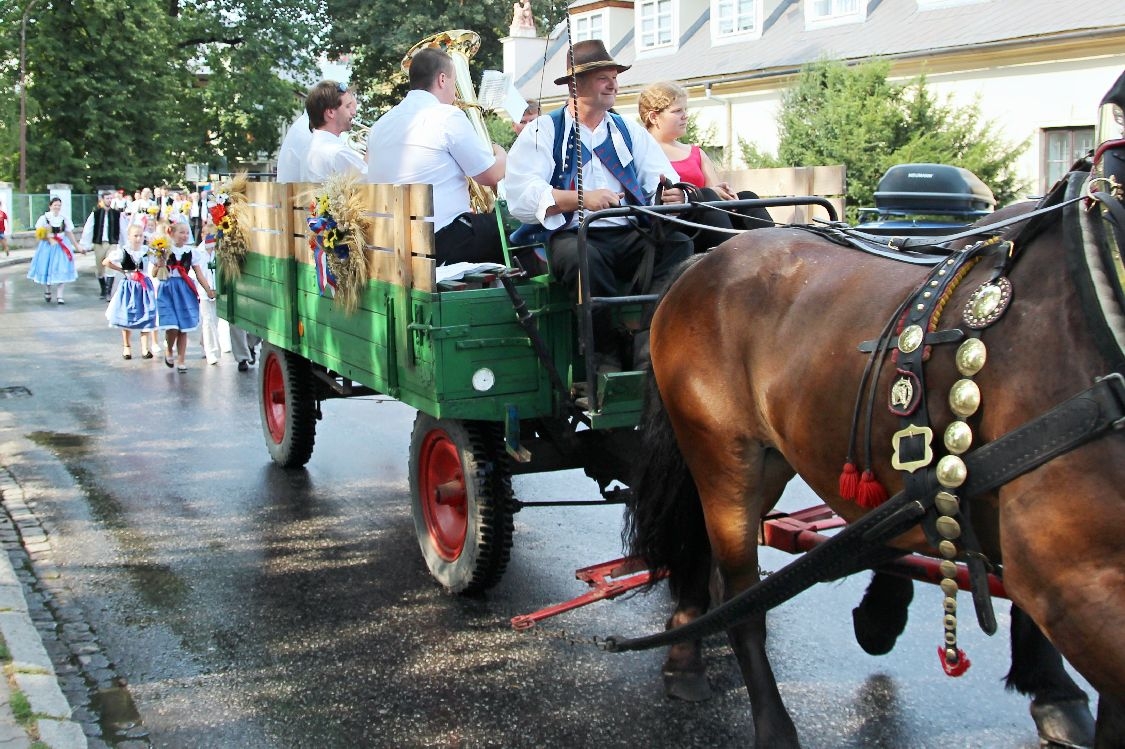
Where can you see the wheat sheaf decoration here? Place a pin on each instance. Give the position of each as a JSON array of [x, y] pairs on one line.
[[337, 225], [229, 212]]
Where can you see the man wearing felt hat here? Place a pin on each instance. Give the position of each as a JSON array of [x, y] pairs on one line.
[[621, 165]]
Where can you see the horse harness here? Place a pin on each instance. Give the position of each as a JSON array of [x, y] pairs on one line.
[[936, 494], [944, 488]]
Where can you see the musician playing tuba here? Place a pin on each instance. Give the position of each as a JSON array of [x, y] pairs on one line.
[[426, 139], [331, 107]]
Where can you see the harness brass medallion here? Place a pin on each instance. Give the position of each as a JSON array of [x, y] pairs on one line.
[[987, 303], [905, 394], [911, 338]]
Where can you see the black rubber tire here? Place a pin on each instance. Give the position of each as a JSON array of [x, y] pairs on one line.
[[287, 405], [466, 536]]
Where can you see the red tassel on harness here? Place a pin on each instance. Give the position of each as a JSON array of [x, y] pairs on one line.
[[870, 493], [849, 481], [954, 669]]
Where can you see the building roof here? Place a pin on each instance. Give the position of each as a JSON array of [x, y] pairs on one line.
[[892, 29]]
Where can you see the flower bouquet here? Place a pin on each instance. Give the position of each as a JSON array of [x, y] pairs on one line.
[[158, 248], [41, 233], [228, 212], [337, 226]]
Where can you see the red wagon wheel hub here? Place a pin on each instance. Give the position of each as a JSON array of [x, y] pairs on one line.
[[444, 501], [273, 397]]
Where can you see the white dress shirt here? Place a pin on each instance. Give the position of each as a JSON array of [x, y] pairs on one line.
[[531, 164], [294, 147], [329, 154], [422, 141]]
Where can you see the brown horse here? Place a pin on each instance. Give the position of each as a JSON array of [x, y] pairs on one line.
[[754, 354]]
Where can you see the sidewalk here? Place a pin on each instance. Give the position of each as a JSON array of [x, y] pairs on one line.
[[30, 686]]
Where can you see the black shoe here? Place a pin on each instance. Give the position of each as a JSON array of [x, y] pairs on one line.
[[242, 365], [146, 355], [253, 355]]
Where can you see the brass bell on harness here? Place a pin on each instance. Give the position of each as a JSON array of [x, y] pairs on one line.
[[949, 586], [948, 568], [948, 528], [951, 472], [947, 503], [964, 398], [947, 549], [971, 355], [958, 438]]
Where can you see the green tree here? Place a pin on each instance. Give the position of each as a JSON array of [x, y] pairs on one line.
[[836, 114], [130, 93], [377, 34]]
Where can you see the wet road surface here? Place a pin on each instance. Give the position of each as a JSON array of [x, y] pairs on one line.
[[249, 606]]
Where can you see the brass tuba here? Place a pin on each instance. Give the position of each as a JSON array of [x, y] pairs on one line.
[[461, 45]]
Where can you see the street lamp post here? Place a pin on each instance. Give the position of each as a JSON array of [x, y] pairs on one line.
[[23, 95]]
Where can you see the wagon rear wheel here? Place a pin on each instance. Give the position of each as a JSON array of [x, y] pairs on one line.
[[288, 406], [461, 497]]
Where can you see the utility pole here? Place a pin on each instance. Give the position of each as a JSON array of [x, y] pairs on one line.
[[23, 95]]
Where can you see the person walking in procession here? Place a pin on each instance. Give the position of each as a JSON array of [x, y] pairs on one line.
[[102, 231], [133, 304], [52, 265]]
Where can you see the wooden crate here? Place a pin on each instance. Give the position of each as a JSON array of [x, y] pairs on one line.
[[825, 181]]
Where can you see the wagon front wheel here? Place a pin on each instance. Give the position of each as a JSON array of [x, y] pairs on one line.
[[461, 497], [288, 406]]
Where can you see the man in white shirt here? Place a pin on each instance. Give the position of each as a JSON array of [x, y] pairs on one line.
[[426, 140], [331, 109], [621, 164], [294, 147]]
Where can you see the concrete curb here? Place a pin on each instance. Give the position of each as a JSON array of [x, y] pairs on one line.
[[31, 668]]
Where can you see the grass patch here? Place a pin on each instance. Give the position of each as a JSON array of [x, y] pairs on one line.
[[21, 709]]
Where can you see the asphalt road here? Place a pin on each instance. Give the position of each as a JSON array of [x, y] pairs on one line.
[[249, 606]]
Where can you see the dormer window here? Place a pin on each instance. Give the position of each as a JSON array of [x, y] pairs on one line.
[[821, 10], [655, 26], [735, 17], [590, 26]]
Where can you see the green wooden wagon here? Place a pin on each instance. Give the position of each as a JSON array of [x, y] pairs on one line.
[[496, 395]]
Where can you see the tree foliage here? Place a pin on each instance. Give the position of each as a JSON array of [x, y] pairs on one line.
[[377, 34], [126, 94], [836, 114]]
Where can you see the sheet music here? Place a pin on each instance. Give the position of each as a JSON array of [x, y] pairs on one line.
[[498, 92]]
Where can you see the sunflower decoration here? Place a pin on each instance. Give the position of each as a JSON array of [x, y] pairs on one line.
[[159, 247], [153, 210], [337, 226], [41, 233], [229, 214]]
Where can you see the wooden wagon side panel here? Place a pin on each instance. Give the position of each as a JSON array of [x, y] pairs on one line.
[[825, 181], [258, 299]]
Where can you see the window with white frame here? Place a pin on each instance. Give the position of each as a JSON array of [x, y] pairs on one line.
[[588, 26], [735, 16], [1061, 147], [655, 23], [816, 10]]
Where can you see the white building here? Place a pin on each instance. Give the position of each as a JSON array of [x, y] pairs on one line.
[[1037, 68]]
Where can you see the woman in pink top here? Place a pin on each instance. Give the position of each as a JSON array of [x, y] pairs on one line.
[[663, 111]]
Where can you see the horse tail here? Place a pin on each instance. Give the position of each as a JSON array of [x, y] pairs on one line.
[[663, 516]]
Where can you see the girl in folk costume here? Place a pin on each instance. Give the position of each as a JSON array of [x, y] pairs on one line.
[[53, 262], [177, 301], [133, 304], [208, 316]]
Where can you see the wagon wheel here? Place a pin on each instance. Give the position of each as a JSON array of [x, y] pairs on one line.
[[461, 497], [288, 406]]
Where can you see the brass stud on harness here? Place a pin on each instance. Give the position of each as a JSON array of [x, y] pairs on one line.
[[951, 472], [964, 398], [958, 438]]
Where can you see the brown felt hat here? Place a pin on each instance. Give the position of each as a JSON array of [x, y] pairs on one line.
[[588, 55]]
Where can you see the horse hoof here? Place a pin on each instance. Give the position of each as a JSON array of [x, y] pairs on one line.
[[1067, 723], [689, 686], [874, 636]]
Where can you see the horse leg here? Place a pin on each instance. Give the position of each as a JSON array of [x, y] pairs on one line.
[[1059, 706], [685, 676], [765, 475], [1111, 723], [880, 617]]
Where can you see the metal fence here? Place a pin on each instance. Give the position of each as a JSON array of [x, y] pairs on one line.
[[26, 209]]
